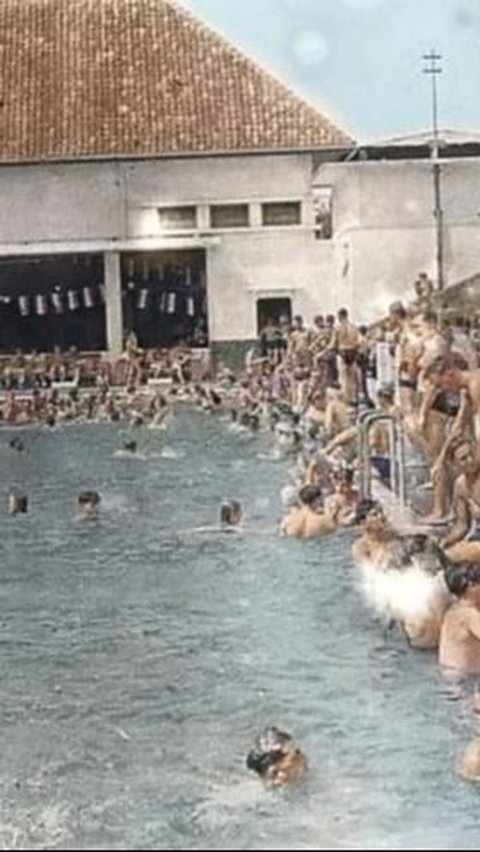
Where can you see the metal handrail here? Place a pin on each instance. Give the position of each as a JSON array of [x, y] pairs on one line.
[[397, 453]]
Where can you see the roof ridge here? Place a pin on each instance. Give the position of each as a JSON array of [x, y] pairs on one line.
[[119, 78], [245, 56]]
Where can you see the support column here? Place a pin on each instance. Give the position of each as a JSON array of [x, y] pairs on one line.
[[113, 302]]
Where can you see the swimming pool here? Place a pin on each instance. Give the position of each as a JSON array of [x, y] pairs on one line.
[[140, 660]]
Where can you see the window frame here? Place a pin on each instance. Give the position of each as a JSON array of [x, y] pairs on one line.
[[288, 202], [165, 208]]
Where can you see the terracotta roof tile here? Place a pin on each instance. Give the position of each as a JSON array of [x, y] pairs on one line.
[[103, 78]]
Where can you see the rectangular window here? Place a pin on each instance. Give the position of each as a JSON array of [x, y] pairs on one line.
[[229, 216], [322, 202], [282, 213], [177, 218]]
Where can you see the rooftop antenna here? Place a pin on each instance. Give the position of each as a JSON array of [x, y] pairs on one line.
[[433, 67]]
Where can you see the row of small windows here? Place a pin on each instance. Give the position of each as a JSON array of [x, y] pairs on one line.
[[274, 214]]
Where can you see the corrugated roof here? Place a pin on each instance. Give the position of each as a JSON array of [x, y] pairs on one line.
[[117, 78]]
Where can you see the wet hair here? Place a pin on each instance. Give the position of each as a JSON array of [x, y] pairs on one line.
[[364, 508], [131, 446], [16, 444], [87, 498], [18, 503], [460, 577], [310, 494], [397, 309], [228, 510], [268, 750]]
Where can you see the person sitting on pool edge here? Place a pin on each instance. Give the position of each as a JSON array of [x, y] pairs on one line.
[[309, 520], [276, 758], [88, 503], [459, 650]]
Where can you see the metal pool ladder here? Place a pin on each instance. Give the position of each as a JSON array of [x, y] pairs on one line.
[[397, 454]]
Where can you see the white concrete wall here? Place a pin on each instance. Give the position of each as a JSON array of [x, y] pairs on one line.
[[109, 206], [384, 227]]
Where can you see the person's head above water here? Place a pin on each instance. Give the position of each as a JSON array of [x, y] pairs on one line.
[[88, 503], [17, 503], [130, 446], [276, 758], [463, 580], [311, 496], [231, 513], [370, 514]]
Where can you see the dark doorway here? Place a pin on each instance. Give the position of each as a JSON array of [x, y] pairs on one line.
[[273, 310], [165, 298], [54, 301]]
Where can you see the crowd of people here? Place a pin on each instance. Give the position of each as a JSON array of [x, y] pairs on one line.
[[309, 388]]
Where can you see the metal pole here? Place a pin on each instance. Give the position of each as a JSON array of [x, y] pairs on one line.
[[433, 68]]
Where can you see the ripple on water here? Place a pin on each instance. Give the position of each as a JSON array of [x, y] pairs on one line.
[[140, 661]]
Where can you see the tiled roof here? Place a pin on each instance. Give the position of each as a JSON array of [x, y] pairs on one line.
[[112, 78]]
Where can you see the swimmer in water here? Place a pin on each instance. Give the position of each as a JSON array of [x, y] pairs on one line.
[[231, 514], [130, 446], [88, 503], [460, 635], [403, 576], [17, 444], [17, 503], [277, 759], [469, 765], [309, 520]]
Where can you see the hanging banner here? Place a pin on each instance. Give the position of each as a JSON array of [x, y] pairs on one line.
[[57, 302], [190, 306], [171, 302], [188, 277], [88, 297], [24, 306], [142, 299], [73, 301], [102, 291], [162, 303], [41, 308]]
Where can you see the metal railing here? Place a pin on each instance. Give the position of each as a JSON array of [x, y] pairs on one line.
[[396, 455]]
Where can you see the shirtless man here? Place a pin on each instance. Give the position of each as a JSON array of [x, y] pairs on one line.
[[460, 634], [406, 356], [308, 520], [381, 550], [342, 505], [462, 542], [299, 342], [446, 381], [374, 545], [346, 342]]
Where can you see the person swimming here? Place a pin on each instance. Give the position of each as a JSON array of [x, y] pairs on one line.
[[17, 503], [309, 519], [231, 514], [402, 576], [459, 650], [130, 446], [276, 758], [88, 503]]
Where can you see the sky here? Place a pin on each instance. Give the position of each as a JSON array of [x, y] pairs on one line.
[[360, 61]]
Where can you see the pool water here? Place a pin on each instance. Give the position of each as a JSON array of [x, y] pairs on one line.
[[139, 660]]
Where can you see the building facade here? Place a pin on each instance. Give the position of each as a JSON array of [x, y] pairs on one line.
[[154, 179], [384, 223]]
